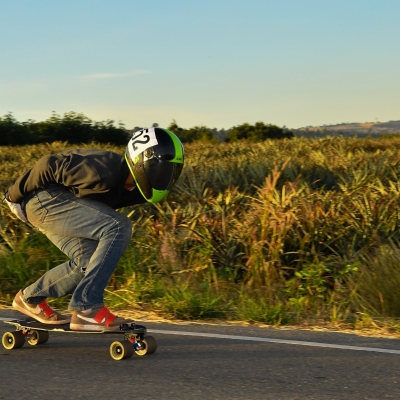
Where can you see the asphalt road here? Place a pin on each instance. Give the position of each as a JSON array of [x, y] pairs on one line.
[[75, 366]]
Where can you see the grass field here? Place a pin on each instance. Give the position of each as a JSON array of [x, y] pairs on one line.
[[294, 231]]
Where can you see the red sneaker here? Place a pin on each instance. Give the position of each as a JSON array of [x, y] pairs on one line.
[[98, 320], [41, 312]]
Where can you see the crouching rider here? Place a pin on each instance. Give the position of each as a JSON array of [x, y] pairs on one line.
[[71, 197]]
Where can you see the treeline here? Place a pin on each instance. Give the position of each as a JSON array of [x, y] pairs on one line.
[[255, 133], [76, 128], [72, 128]]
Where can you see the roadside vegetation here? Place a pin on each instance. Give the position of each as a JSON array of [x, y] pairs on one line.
[[291, 231]]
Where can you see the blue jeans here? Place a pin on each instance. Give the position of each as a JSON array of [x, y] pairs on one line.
[[90, 233]]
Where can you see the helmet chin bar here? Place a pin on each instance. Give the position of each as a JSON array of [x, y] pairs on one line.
[[139, 174]]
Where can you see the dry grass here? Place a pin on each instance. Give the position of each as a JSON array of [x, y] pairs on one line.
[[279, 233]]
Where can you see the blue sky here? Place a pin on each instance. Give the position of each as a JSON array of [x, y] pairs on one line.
[[216, 63]]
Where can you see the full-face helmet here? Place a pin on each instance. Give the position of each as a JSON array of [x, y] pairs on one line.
[[155, 158]]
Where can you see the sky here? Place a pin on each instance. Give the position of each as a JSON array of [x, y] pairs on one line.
[[218, 63]]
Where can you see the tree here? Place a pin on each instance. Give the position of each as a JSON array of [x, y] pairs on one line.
[[106, 132], [257, 132], [173, 127], [198, 132], [13, 132]]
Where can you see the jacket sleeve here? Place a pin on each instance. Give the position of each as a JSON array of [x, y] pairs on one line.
[[62, 169]]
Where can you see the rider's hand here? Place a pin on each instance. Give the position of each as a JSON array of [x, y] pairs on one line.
[[15, 208]]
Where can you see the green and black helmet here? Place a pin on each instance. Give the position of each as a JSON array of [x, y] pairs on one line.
[[155, 159]]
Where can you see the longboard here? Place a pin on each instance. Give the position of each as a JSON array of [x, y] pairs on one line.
[[37, 333]]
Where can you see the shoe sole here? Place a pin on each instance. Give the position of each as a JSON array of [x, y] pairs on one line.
[[35, 316]]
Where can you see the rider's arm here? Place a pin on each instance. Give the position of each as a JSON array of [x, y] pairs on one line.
[[82, 172]]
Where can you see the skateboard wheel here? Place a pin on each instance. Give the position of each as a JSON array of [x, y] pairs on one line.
[[121, 350], [148, 346], [38, 337], [13, 340]]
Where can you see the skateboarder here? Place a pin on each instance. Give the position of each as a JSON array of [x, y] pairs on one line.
[[71, 197]]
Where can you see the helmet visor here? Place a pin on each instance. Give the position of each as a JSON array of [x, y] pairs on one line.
[[162, 174]]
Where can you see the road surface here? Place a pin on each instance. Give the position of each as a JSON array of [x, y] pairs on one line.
[[205, 362]]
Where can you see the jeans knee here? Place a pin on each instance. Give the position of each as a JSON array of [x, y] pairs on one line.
[[119, 228], [125, 227]]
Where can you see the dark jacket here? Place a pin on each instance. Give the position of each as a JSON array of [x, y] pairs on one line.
[[94, 174]]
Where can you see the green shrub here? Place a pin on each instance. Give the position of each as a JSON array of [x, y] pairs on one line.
[[257, 132]]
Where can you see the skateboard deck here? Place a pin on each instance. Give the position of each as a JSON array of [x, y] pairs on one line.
[[37, 333]]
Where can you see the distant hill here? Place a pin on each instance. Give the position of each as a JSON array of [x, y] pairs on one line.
[[351, 129]]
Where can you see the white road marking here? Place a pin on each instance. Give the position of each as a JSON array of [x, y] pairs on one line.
[[280, 341]]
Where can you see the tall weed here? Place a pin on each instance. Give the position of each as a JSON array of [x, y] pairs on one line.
[[268, 232]]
